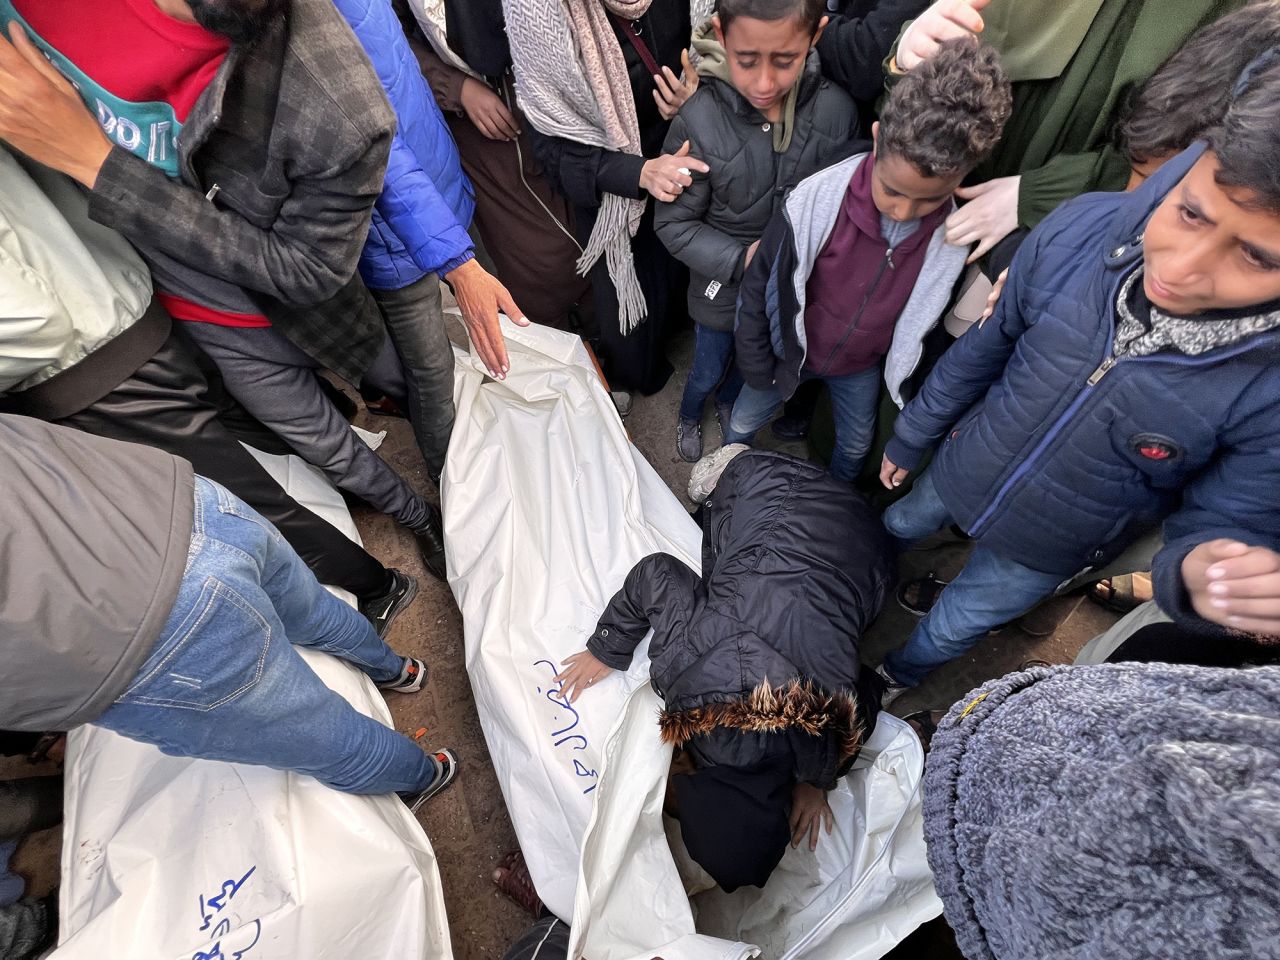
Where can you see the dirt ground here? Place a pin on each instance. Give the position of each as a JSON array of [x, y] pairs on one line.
[[468, 825]]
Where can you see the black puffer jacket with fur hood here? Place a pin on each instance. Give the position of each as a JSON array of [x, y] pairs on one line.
[[795, 566]]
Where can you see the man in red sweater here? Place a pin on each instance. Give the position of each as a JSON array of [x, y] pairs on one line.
[[240, 145]]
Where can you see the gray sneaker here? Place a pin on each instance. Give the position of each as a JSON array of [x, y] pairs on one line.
[[689, 440], [706, 472], [892, 688], [623, 400]]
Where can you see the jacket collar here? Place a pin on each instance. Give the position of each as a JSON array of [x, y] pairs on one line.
[[1124, 240]]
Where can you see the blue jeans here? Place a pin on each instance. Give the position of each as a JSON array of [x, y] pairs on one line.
[[11, 884], [223, 681], [853, 404], [989, 591], [713, 367]]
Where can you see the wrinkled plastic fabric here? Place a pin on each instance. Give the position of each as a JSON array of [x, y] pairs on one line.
[[547, 508], [168, 858]]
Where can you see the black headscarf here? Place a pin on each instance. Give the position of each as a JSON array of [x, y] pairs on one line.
[[735, 821], [477, 33]]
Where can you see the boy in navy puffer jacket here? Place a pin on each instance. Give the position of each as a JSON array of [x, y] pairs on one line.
[[1128, 375]]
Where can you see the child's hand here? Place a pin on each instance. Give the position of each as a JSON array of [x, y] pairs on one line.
[[942, 21], [581, 670], [671, 93], [486, 110], [990, 215], [1235, 585], [891, 475], [666, 176], [809, 812]]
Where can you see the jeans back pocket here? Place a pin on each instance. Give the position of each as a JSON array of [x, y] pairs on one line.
[[216, 654]]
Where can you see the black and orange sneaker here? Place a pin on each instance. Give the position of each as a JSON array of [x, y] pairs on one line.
[[446, 770], [413, 677]]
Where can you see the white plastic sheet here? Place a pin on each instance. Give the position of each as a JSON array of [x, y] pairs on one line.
[[547, 508], [167, 858]]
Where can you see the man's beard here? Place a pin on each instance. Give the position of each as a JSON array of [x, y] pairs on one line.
[[238, 20]]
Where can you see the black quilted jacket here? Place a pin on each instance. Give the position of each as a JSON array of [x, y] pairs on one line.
[[712, 223], [795, 567]]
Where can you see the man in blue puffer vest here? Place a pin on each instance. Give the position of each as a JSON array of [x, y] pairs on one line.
[[1130, 375], [419, 234]]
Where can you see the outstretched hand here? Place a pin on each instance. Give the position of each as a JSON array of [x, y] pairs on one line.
[[581, 671], [671, 91], [665, 177], [481, 297], [990, 215], [809, 813], [943, 21], [1235, 585]]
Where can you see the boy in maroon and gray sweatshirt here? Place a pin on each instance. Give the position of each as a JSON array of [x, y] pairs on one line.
[[855, 270]]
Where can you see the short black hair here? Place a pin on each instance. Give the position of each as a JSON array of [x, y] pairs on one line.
[[1247, 142], [1190, 92], [240, 21], [808, 13], [948, 113]]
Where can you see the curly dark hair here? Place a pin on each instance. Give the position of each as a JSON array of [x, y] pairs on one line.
[[808, 13], [946, 115], [1247, 142], [1190, 92]]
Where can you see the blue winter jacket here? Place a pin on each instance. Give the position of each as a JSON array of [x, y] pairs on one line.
[[420, 222], [1057, 455]]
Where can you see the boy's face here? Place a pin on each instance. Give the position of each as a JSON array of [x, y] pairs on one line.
[[1206, 249], [901, 192], [766, 58]]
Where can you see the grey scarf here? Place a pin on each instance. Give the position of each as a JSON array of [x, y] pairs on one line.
[[572, 79], [1186, 335]]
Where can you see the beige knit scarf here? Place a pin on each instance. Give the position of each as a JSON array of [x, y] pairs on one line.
[[572, 80]]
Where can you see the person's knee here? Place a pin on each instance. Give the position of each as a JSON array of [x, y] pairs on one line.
[[897, 520]]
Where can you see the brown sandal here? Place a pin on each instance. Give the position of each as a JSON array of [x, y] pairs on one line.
[[1118, 594], [925, 724], [512, 878]]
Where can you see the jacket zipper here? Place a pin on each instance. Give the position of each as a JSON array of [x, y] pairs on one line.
[[887, 262], [1108, 363]]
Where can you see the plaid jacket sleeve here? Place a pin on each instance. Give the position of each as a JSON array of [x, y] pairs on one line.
[[305, 256]]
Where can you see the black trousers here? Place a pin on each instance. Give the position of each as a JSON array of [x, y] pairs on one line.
[[166, 404]]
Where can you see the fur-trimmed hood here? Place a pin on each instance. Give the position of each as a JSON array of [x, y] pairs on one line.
[[799, 705]]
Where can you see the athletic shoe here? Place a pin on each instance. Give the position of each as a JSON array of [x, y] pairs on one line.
[[447, 770], [689, 440], [892, 688], [723, 412], [382, 610], [623, 400], [431, 545], [413, 677], [706, 472], [790, 428]]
